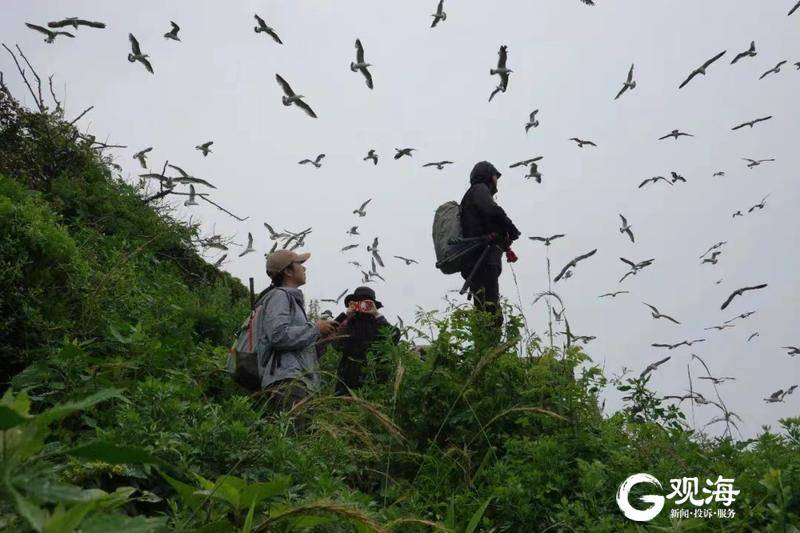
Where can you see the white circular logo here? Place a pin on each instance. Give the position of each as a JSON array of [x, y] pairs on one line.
[[625, 505]]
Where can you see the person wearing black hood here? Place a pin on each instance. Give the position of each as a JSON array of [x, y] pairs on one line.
[[481, 216]]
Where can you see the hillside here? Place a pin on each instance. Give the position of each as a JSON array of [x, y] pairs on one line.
[[118, 413]]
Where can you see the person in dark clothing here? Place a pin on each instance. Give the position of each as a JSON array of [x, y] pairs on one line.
[[481, 216], [360, 328]]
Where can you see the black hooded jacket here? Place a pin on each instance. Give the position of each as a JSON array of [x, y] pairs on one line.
[[480, 215]]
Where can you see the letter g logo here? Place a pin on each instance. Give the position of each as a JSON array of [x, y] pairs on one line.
[[625, 505]]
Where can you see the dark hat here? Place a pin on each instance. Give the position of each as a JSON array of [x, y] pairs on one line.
[[362, 293], [482, 172]]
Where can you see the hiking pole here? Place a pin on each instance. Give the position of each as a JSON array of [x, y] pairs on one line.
[[252, 296], [475, 268]]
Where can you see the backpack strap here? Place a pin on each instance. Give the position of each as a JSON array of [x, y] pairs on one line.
[[276, 354]]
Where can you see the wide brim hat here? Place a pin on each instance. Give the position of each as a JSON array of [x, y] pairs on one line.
[[362, 293]]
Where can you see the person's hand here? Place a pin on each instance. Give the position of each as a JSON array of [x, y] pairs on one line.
[[326, 327]]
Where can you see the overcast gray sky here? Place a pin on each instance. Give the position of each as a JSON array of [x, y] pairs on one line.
[[431, 90]]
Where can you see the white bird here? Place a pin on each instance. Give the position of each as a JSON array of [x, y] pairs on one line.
[[628, 84], [191, 200], [701, 69], [75, 22], [532, 122], [289, 97], [141, 156], [353, 231], [773, 70], [438, 164], [658, 315], [249, 245], [406, 260], [205, 147], [263, 28], [750, 52], [440, 15], [403, 152], [51, 35], [317, 162], [626, 228], [185, 178], [137, 55], [361, 65], [360, 211], [501, 70]]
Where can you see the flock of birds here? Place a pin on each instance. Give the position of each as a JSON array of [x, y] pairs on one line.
[[286, 239]]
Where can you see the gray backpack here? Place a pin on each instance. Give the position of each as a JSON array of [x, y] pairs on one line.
[[447, 237], [243, 360]]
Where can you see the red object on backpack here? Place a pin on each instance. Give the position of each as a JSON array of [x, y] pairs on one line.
[[511, 257]]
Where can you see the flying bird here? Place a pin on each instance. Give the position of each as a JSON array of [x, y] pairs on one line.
[[407, 260], [737, 214], [372, 155], [654, 180], [525, 162], [263, 28], [720, 328], [628, 84], [185, 178], [349, 247], [403, 151], [717, 381], [75, 22], [353, 231], [142, 157], [501, 70], [750, 52], [635, 267], [191, 200], [438, 164], [317, 162], [137, 55], [718, 173], [532, 122], [361, 65], [755, 162], [773, 70], [626, 228], [713, 247], [335, 300], [205, 147], [51, 35], [360, 211], [582, 142], [701, 69], [751, 123], [173, 33], [374, 249], [751, 337], [739, 292], [440, 15], [677, 177], [533, 172], [654, 366], [249, 245], [793, 350], [289, 97], [548, 240], [759, 205], [220, 261], [675, 134], [658, 315], [573, 263], [713, 259], [613, 294]]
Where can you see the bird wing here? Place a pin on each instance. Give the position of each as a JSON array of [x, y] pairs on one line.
[[630, 74], [260, 21], [429, 165], [364, 205], [740, 126], [502, 56], [377, 256], [627, 262], [624, 88], [518, 164], [751, 160], [645, 182], [624, 220], [196, 180], [557, 236], [630, 234], [538, 239], [795, 8], [305, 107], [153, 176], [710, 61], [175, 27], [90, 23], [493, 93], [733, 295], [319, 158], [147, 65], [287, 89], [652, 307], [304, 161], [367, 76], [134, 45], [59, 23], [440, 7], [179, 169], [249, 240], [274, 35], [762, 119], [39, 29], [687, 80], [584, 256], [359, 51], [670, 318]]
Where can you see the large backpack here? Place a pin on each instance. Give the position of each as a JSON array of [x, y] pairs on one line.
[[243, 361], [447, 237]]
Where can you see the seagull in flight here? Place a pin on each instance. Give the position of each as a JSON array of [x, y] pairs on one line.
[[751, 123], [654, 366], [750, 52], [713, 247], [533, 172], [407, 260], [626, 228], [142, 157], [75, 22], [317, 162], [205, 147], [701, 69], [372, 155], [742, 316], [532, 122], [739, 292], [635, 267], [137, 55], [191, 200], [654, 180], [438, 164], [793, 350], [673, 346], [675, 134], [720, 328], [51, 35], [613, 294], [353, 231], [185, 178], [759, 205], [628, 84], [360, 211], [249, 245], [335, 300], [658, 315], [289, 97], [677, 177], [525, 162], [717, 381], [403, 152], [737, 214], [581, 142], [173, 33], [374, 249], [713, 259], [274, 235], [573, 263], [263, 28], [547, 240], [361, 65], [440, 15], [501, 70], [773, 70], [718, 173], [349, 247], [755, 162], [751, 337]]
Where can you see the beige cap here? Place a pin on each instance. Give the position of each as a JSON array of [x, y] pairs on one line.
[[280, 259]]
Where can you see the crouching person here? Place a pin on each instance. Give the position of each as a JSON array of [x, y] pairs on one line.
[[287, 347], [361, 327]]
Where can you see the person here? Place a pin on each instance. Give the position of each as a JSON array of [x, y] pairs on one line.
[[482, 217], [359, 330], [290, 368]]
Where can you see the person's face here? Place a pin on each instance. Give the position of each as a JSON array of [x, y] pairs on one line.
[[495, 177], [298, 273]]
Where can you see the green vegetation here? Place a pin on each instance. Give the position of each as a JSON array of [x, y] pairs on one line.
[[118, 414]]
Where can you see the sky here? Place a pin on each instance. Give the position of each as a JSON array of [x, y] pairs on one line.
[[431, 91]]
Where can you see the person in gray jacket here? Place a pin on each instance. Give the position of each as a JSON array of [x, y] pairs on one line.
[[290, 369]]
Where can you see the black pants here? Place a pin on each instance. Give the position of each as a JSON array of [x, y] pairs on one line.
[[485, 290]]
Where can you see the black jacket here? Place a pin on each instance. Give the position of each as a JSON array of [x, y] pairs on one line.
[[480, 214], [362, 331]]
